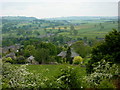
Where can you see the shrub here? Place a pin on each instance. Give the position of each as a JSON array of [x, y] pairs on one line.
[[19, 77], [102, 73], [77, 60], [109, 50], [20, 60], [68, 78], [8, 59], [106, 84]]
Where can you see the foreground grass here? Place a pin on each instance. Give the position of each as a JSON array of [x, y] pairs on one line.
[[54, 70]]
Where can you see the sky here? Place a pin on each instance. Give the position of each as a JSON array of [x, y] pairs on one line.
[[58, 8]]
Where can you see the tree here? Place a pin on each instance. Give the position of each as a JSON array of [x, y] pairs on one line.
[[37, 33], [53, 27], [95, 25], [108, 50], [51, 47], [20, 60], [39, 25], [85, 39], [45, 29], [72, 29], [75, 32], [68, 56], [59, 29], [29, 50], [81, 48], [65, 27], [42, 55], [45, 52]]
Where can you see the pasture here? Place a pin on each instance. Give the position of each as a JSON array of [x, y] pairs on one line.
[[54, 70]]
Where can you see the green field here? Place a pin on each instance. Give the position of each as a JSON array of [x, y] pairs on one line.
[[90, 29], [54, 70]]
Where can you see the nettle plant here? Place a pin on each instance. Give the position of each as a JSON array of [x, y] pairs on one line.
[[103, 73]]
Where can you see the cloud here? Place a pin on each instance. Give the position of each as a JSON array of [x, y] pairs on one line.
[[57, 9], [59, 0]]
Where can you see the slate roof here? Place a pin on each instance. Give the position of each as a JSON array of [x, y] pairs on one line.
[[12, 55], [63, 54], [74, 54], [31, 58], [12, 47]]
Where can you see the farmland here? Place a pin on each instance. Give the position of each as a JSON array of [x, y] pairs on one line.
[[51, 30]]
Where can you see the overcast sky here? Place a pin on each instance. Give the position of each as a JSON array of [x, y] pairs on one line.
[[58, 8]]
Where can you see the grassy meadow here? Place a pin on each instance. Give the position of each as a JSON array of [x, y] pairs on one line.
[[50, 71]]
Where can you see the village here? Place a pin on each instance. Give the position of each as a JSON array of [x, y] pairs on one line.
[[12, 55]]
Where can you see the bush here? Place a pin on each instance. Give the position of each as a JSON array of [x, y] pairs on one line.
[[68, 78], [108, 50], [77, 60], [8, 59], [19, 77], [102, 73], [20, 60], [106, 84]]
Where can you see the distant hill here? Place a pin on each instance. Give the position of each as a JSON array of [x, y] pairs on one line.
[[63, 19], [83, 18], [18, 18], [57, 30]]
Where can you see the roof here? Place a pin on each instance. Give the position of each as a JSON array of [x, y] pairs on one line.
[[71, 42], [12, 47], [74, 54], [31, 57], [10, 54], [63, 54]]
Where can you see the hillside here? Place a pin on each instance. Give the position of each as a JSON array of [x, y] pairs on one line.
[[67, 28]]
